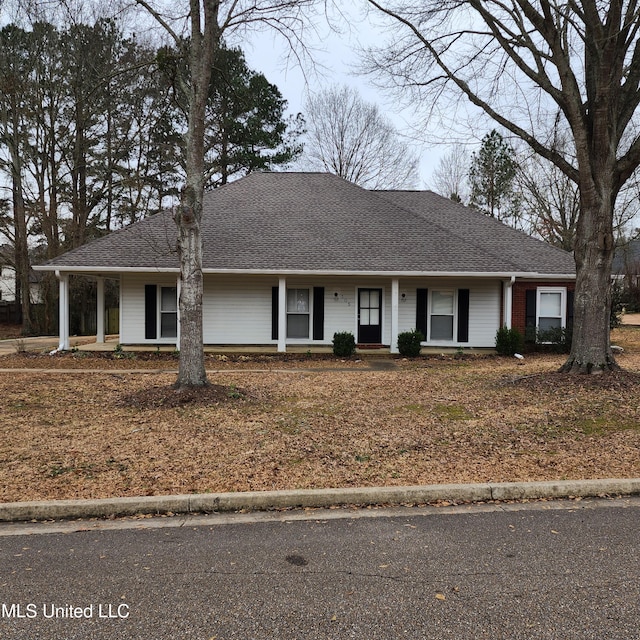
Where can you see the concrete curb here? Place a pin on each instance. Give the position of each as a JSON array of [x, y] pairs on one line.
[[265, 500]]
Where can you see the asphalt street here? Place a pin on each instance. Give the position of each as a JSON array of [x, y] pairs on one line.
[[546, 571]]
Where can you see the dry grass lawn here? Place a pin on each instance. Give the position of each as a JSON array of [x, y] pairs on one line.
[[310, 423]]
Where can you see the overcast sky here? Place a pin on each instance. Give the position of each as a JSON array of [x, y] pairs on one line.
[[336, 60]]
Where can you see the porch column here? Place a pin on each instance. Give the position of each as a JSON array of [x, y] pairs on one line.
[[63, 312], [507, 302], [120, 307], [282, 315], [178, 287], [395, 288], [100, 311]]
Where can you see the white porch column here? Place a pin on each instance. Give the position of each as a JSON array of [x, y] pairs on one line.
[[63, 312], [507, 303], [100, 311], [282, 315], [120, 308], [395, 288], [178, 287]]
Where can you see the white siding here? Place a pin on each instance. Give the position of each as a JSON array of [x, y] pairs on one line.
[[484, 308], [237, 309], [132, 306]]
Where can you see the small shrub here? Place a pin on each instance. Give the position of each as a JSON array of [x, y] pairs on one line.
[[119, 353], [20, 345], [409, 343], [508, 341], [344, 344]]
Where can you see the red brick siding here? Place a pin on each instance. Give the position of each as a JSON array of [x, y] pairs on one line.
[[518, 314]]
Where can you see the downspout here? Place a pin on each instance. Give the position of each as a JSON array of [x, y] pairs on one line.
[[508, 302]]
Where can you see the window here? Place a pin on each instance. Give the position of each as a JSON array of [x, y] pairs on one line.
[[168, 312], [551, 308], [441, 315], [297, 313]]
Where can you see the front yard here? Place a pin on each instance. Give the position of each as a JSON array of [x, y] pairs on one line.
[[310, 423]]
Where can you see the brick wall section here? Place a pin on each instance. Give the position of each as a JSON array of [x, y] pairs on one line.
[[519, 299]]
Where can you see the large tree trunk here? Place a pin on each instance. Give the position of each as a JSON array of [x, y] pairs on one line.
[[191, 370], [590, 347], [202, 48]]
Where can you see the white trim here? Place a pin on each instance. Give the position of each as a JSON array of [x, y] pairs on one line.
[[508, 303], [63, 278], [454, 329], [120, 310], [563, 305], [320, 272], [178, 291], [395, 290], [282, 315], [309, 314], [159, 313], [100, 310]]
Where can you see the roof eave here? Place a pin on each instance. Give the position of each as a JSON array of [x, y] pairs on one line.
[[315, 272]]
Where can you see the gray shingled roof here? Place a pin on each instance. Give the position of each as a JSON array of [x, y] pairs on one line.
[[277, 222]]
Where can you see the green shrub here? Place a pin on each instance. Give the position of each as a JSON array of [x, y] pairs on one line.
[[508, 341], [409, 343], [344, 344]]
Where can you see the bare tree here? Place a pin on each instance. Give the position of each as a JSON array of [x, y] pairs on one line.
[[198, 38], [524, 64], [351, 138], [451, 177], [550, 202]]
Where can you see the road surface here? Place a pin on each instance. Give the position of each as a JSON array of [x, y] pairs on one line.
[[560, 571]]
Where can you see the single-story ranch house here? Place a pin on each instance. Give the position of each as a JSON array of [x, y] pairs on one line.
[[292, 258]]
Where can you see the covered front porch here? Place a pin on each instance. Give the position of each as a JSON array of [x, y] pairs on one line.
[[254, 314]]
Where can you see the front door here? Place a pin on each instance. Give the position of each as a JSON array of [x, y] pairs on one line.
[[369, 316]]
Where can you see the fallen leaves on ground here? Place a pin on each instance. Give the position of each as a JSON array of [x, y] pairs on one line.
[[311, 423]]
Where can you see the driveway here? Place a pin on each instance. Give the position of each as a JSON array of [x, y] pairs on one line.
[[40, 343]]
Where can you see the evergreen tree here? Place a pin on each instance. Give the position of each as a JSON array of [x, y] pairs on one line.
[[492, 177]]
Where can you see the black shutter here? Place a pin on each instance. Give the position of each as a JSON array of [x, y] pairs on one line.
[[463, 315], [421, 311], [275, 298], [150, 311], [318, 313], [570, 296], [530, 308]]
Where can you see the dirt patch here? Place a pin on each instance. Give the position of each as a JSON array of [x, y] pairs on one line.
[[618, 381], [169, 397]]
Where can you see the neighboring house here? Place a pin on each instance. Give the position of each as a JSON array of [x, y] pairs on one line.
[[7, 283], [292, 258], [7, 275]]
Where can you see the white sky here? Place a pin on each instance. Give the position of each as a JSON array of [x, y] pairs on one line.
[[336, 57]]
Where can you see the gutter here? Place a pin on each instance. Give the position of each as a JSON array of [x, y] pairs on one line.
[[315, 272]]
